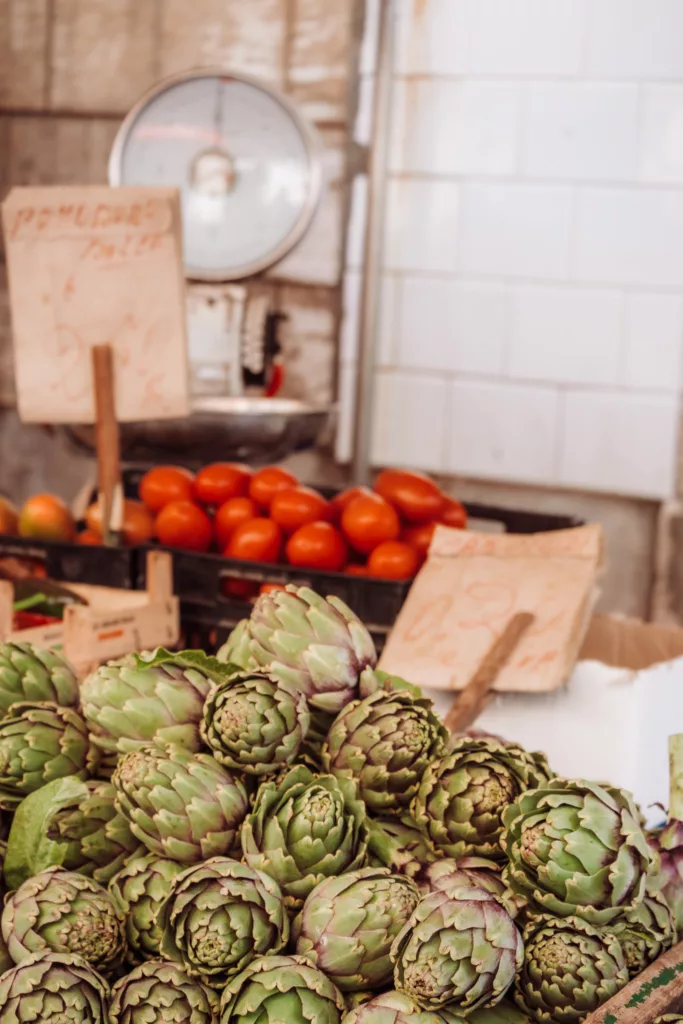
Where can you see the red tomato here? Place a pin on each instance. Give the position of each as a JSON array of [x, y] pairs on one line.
[[271, 588], [416, 497], [138, 522], [232, 586], [165, 484], [317, 546], [230, 515], [90, 537], [256, 540], [353, 569], [296, 506], [368, 520], [419, 537], [265, 484], [344, 498], [217, 483], [454, 513], [182, 524], [393, 560]]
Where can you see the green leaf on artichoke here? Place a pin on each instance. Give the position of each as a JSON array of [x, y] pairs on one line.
[[216, 670], [29, 851]]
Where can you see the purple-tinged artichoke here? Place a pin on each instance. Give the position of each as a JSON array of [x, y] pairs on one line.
[[304, 828], [385, 742], [318, 644], [63, 912], [443, 875], [570, 969], [218, 917], [158, 992], [182, 806], [278, 989], [459, 950], [461, 799], [395, 1008], [348, 924], [399, 845], [576, 848], [53, 988], [255, 724], [645, 932], [138, 891]]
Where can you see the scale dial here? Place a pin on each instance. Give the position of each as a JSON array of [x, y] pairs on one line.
[[247, 165]]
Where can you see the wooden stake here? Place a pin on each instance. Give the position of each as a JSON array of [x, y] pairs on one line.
[[471, 701], [107, 438], [655, 991]]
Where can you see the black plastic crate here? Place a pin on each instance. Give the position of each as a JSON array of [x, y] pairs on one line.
[[209, 612], [76, 563]]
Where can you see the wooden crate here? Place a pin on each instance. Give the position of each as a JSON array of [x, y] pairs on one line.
[[113, 623]]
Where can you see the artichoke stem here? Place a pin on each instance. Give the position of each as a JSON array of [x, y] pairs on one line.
[[676, 777]]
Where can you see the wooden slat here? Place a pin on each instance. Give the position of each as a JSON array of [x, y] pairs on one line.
[[103, 53], [242, 35], [656, 991], [23, 44]]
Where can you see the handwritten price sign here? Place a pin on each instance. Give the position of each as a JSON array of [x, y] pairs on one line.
[[471, 586], [92, 266]]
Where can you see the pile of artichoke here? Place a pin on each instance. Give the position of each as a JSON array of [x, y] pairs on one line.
[[283, 833]]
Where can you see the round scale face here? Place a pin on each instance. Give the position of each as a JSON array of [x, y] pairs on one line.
[[247, 166]]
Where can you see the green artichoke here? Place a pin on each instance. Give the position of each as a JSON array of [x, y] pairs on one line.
[[668, 1018], [255, 724], [570, 969], [348, 924], [304, 828], [30, 674], [138, 891], [443, 875], [394, 1008], [129, 703], [460, 949], [315, 643], [645, 932], [460, 802], [157, 992], [182, 806], [63, 912], [576, 848], [39, 743], [667, 843], [385, 742], [218, 917], [279, 989], [399, 846], [72, 824], [53, 989]]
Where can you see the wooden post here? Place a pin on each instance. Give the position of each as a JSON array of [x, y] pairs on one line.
[[472, 700], [655, 991], [107, 436]]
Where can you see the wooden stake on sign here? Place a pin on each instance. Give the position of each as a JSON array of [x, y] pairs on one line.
[[471, 701], [107, 437]]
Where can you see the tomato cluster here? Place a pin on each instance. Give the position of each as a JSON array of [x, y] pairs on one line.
[[266, 515]]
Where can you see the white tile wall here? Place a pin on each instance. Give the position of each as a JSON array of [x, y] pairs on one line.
[[630, 236], [566, 335], [503, 431], [619, 442], [531, 315], [447, 127], [448, 325], [634, 39], [576, 130], [409, 426], [662, 120], [422, 225], [521, 230]]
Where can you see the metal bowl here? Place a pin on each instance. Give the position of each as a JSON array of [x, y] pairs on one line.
[[249, 429]]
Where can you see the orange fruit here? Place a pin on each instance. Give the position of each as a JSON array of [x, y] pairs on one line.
[[393, 560], [415, 496], [138, 522], [265, 484], [164, 484], [230, 515], [369, 520], [182, 524], [9, 518], [317, 546], [217, 483]]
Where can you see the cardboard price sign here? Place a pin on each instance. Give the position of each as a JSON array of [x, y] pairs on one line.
[[470, 588], [95, 266]]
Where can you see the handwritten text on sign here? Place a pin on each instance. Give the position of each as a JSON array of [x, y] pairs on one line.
[[471, 586], [91, 266]]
